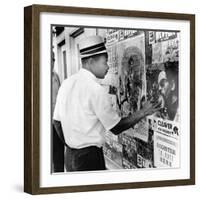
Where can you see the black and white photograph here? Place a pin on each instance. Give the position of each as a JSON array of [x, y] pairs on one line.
[[111, 98], [114, 99]]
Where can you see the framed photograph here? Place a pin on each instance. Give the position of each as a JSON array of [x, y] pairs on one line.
[[109, 99]]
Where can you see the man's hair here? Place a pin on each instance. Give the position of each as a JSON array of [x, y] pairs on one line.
[[94, 57]]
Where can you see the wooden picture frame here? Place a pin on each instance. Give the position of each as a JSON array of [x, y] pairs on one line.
[[32, 106]]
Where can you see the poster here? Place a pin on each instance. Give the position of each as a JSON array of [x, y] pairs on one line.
[[166, 143], [165, 51], [132, 82]]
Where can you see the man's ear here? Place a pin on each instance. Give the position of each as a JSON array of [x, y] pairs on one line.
[[90, 60], [91, 64]]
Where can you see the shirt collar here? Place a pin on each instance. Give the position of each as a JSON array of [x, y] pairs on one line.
[[88, 74]]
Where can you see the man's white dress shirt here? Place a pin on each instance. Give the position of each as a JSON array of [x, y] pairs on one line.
[[84, 109]]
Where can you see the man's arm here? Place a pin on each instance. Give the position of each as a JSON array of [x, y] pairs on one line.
[[58, 127], [127, 122]]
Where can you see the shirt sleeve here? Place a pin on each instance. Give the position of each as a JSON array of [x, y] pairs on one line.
[[102, 106]]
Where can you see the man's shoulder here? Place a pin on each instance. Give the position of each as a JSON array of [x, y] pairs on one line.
[[55, 78], [92, 84], [70, 79], [67, 83], [95, 88]]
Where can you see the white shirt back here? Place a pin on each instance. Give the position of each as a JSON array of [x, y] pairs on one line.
[[84, 109]]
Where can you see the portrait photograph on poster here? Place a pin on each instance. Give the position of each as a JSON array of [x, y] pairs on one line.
[[112, 101]]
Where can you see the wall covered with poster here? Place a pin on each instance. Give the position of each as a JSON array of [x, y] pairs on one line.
[[144, 65]]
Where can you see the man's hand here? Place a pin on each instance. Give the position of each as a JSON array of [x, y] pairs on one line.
[[149, 108], [128, 122]]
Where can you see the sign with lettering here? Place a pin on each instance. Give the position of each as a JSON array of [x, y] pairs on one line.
[[166, 143]]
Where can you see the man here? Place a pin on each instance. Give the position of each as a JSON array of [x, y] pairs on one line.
[[83, 111], [168, 86], [58, 146]]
